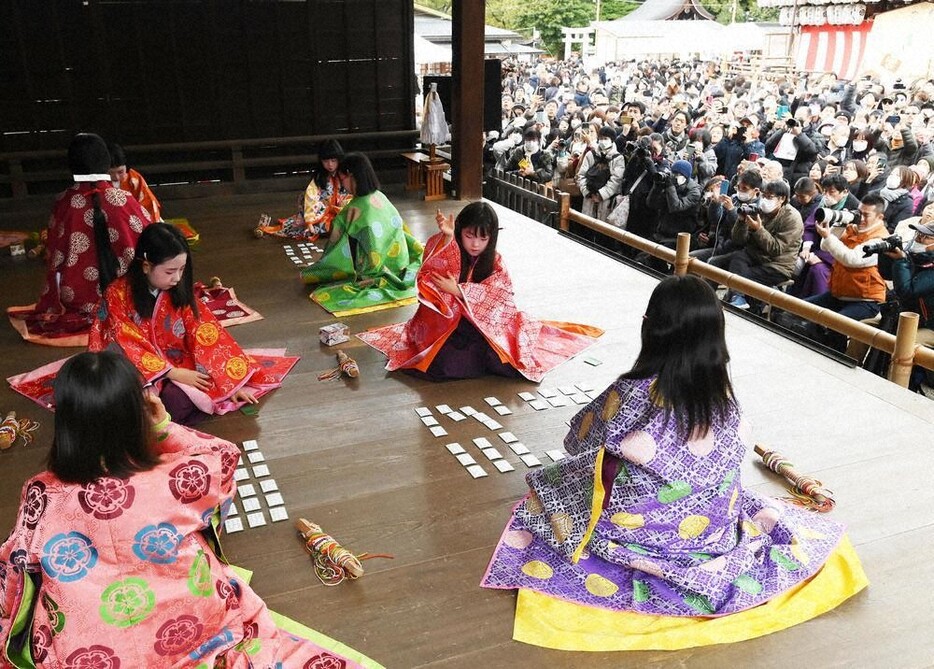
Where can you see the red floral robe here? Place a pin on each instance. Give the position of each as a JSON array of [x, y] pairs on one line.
[[531, 346], [128, 573], [69, 299], [178, 338]]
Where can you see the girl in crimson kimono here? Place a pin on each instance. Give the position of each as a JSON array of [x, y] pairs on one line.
[[152, 315], [467, 324], [115, 558]]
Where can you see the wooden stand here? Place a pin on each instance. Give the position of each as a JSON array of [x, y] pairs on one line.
[[423, 173]]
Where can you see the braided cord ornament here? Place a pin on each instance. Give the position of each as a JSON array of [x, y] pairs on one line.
[[806, 491]]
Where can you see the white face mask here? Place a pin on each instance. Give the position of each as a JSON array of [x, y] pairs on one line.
[[708, 196], [829, 201], [576, 123], [517, 139], [744, 196], [850, 175], [893, 182], [768, 206], [859, 145], [531, 147], [605, 144], [914, 246], [681, 180]]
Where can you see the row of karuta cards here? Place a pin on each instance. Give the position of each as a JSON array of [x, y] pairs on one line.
[[250, 498]]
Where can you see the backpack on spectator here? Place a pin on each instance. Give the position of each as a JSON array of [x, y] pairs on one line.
[[598, 173]]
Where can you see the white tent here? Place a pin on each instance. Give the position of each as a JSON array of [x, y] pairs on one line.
[[427, 52]]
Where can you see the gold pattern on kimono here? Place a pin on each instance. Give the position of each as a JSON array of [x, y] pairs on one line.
[[561, 525], [151, 362], [207, 334], [586, 423], [610, 406], [236, 368]]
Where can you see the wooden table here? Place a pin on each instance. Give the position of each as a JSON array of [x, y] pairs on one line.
[[424, 174]]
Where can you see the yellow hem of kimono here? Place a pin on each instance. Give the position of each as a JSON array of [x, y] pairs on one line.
[[542, 620], [596, 506], [376, 307], [295, 628]]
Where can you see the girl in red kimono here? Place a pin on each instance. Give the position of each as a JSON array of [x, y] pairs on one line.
[[467, 324], [115, 558], [153, 316], [91, 237]]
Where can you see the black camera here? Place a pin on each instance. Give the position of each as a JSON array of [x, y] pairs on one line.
[[636, 150], [890, 243], [662, 175], [748, 209], [835, 217]]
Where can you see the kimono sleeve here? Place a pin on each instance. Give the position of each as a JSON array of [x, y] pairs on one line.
[[18, 594], [216, 353], [314, 207], [613, 414], [179, 440]]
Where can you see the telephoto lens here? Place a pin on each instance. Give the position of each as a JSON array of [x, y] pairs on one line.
[[890, 243], [835, 217]]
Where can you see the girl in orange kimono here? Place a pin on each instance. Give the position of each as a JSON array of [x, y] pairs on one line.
[[132, 182], [152, 315], [467, 324]]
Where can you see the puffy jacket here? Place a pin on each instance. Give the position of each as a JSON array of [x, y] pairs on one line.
[[855, 276], [677, 208], [776, 243]]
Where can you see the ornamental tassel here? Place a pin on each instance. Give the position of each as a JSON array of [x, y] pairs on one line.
[[807, 491], [345, 365], [11, 429], [333, 563]]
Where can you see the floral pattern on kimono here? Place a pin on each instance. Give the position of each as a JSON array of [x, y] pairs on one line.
[[319, 206]]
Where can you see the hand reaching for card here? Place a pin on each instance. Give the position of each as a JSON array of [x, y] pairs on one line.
[[445, 223]]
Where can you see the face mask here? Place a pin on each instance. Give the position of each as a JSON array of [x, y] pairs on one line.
[[893, 182], [829, 201], [576, 123], [744, 196], [768, 206], [681, 180], [850, 175], [605, 144], [915, 247], [859, 145], [708, 196], [517, 139], [531, 147]]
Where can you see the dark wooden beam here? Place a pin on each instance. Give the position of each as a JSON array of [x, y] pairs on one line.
[[467, 98]]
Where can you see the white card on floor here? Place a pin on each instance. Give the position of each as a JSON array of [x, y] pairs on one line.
[[538, 405], [468, 410], [232, 510], [493, 425], [492, 454], [466, 459], [585, 386], [256, 519], [530, 460], [250, 445], [503, 410], [274, 499], [559, 401], [289, 250], [278, 513], [255, 456], [504, 466], [527, 396], [457, 416], [429, 420], [269, 485], [519, 448], [546, 392], [250, 504], [232, 525], [580, 398], [482, 442], [423, 411], [508, 437], [556, 454], [476, 471], [593, 394], [480, 416], [444, 408], [240, 474], [438, 431], [261, 470], [455, 448], [246, 490], [492, 401]]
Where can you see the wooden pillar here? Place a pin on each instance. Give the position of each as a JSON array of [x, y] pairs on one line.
[[682, 253], [904, 355], [467, 98]]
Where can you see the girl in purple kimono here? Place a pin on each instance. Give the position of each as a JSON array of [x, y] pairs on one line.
[[648, 514], [114, 560]]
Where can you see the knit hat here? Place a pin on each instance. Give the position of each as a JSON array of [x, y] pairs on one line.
[[683, 168]]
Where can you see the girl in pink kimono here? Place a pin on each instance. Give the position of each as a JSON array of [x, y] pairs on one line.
[[114, 560]]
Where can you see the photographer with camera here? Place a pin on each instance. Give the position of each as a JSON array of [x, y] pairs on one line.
[[530, 160], [716, 235], [768, 236], [913, 275], [793, 149], [676, 197], [857, 289], [645, 160]]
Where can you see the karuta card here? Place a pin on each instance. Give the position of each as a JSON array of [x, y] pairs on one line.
[[232, 510], [466, 459], [457, 416], [556, 454], [502, 410], [527, 396], [444, 408], [593, 362], [250, 504], [455, 448], [278, 513], [539, 405], [593, 394], [493, 425], [246, 490], [269, 485], [476, 471], [260, 471], [480, 416], [468, 410], [240, 474], [255, 456], [429, 420], [256, 519], [530, 460], [585, 386], [482, 442], [232, 525], [559, 401], [547, 392], [423, 411], [508, 437], [492, 401], [492, 454], [503, 466], [274, 499], [250, 445], [438, 431], [579, 398], [519, 448], [567, 390]]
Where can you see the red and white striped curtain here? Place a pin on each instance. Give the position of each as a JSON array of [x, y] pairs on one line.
[[837, 49]]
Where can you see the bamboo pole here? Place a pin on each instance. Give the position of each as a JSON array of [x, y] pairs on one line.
[[682, 254], [903, 357], [564, 201]]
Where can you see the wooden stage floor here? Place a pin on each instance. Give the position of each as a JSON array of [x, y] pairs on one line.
[[354, 457]]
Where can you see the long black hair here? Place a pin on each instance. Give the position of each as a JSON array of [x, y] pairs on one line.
[[102, 424], [87, 154], [329, 149], [158, 243], [359, 167], [684, 347], [481, 218]]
